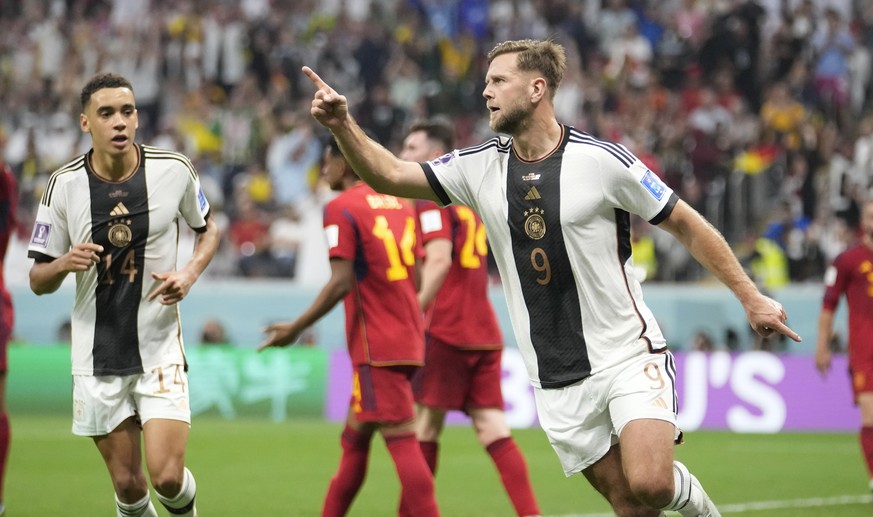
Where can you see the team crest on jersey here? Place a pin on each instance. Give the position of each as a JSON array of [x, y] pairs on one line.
[[41, 232], [119, 233], [653, 184], [535, 225]]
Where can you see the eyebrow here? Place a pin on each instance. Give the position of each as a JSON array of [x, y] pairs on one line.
[[112, 108]]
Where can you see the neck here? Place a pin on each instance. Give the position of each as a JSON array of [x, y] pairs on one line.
[[115, 167], [538, 140]]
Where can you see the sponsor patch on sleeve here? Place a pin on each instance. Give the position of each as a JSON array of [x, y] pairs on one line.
[[830, 276], [444, 159], [431, 221], [201, 200], [332, 234], [41, 232], [653, 184]]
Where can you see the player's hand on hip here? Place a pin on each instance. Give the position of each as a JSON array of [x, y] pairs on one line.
[[172, 288], [329, 108], [280, 335], [767, 316], [81, 257]]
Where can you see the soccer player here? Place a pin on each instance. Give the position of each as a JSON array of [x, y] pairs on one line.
[[463, 340], [111, 216], [374, 250], [852, 274], [8, 224], [557, 203]]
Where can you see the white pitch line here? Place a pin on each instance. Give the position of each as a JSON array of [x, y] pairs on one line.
[[815, 502]]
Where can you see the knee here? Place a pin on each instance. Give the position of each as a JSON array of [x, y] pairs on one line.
[[129, 485], [653, 492], [167, 482]]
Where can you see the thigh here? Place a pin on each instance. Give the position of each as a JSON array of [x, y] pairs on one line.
[[120, 450], [100, 404], [647, 450], [165, 443]]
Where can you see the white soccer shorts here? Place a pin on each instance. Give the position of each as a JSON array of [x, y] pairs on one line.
[[583, 420], [101, 403]]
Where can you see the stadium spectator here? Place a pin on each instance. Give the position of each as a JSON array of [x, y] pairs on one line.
[[565, 323], [111, 216], [464, 345], [374, 254], [851, 274]]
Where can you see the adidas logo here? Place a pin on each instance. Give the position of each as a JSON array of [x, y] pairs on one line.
[[532, 194], [119, 209]]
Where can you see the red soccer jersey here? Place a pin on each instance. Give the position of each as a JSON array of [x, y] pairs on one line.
[[852, 274], [461, 314], [384, 324]]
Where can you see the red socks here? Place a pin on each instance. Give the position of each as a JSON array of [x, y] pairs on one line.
[[350, 475], [867, 447], [416, 480], [4, 448], [430, 450], [513, 472]]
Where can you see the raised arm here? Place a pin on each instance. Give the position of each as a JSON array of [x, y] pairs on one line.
[[708, 247], [373, 163]]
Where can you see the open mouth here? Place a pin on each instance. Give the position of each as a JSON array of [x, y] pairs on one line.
[[119, 139]]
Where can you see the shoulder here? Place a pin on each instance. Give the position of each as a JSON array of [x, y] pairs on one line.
[[603, 150], [171, 160], [62, 176]]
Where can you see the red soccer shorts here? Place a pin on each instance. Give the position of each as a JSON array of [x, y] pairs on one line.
[[862, 379], [6, 322], [455, 378], [383, 393]]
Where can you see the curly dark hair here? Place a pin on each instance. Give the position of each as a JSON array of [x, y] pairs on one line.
[[100, 81]]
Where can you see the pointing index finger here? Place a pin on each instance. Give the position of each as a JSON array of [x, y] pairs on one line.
[[316, 80]]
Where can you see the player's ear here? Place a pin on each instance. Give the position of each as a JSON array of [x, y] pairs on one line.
[[83, 123], [538, 89]]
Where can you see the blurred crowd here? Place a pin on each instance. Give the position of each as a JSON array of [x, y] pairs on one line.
[[756, 112]]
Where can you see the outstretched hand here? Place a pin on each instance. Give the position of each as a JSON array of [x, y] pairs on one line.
[[767, 316], [329, 108], [280, 335]]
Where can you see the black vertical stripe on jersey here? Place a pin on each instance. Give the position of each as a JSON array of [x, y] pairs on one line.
[[116, 336], [554, 310]]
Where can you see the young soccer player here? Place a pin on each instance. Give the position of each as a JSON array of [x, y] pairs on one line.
[[374, 248], [111, 217]]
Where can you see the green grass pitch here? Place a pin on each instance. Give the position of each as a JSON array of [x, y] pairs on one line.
[[260, 468]]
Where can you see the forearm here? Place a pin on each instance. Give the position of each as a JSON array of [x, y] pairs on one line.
[[327, 298], [46, 277], [205, 247], [378, 167], [825, 329], [433, 275]]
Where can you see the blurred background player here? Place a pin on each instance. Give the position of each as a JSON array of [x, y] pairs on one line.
[[8, 225], [374, 252], [463, 341], [112, 217], [851, 274]]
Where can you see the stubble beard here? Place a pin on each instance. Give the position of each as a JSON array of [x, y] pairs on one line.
[[512, 121]]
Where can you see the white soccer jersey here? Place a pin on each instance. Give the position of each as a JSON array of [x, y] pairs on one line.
[[115, 330], [560, 232]]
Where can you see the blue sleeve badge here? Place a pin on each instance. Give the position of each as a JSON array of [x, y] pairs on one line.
[[201, 199], [653, 184], [41, 232]]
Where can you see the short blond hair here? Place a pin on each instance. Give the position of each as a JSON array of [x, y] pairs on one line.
[[543, 56]]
